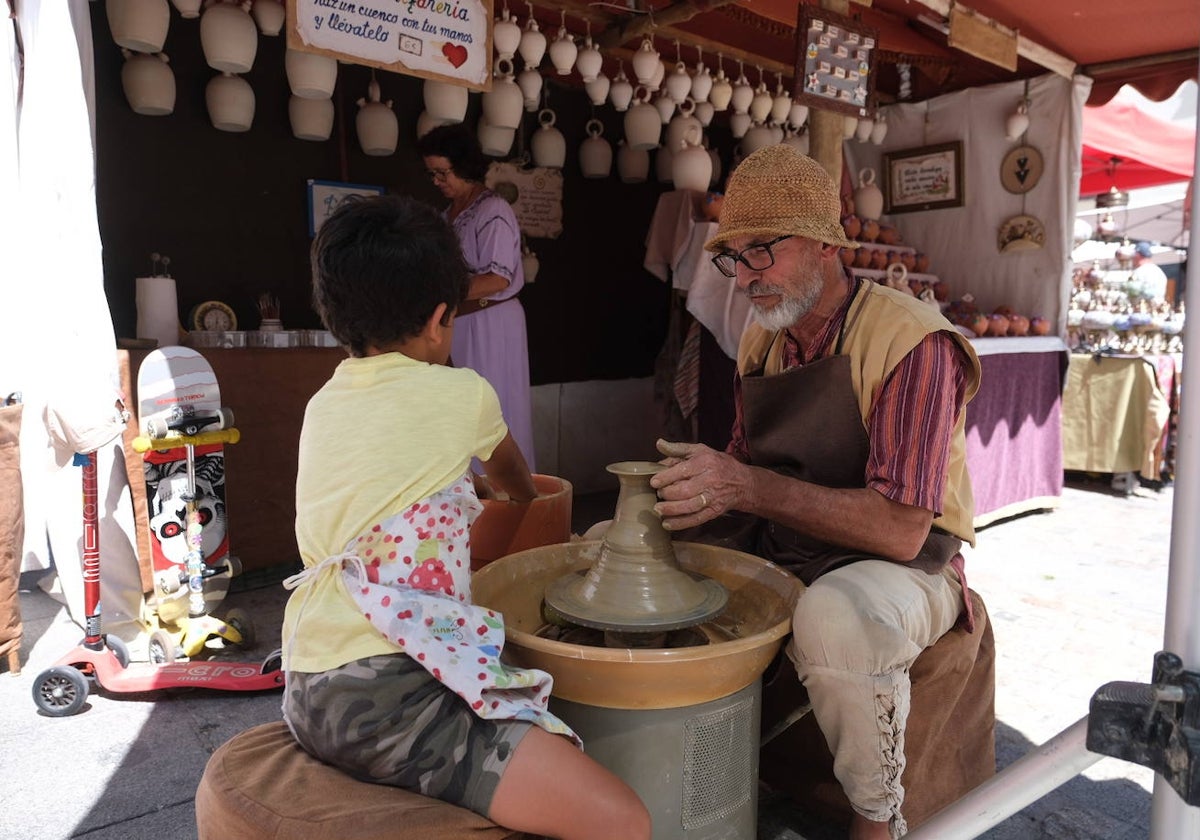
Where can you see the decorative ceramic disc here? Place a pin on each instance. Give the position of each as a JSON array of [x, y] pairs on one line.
[[213, 315], [1021, 233], [1021, 169]]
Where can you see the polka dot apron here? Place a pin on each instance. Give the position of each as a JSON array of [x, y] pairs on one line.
[[410, 575]]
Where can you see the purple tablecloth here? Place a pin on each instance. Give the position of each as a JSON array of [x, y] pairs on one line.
[[1014, 433]]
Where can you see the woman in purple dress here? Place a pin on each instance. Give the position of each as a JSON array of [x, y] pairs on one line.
[[489, 329]]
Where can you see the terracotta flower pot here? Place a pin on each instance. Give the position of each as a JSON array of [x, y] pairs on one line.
[[504, 528]]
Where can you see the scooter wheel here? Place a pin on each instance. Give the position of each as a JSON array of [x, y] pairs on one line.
[[157, 428], [161, 648], [273, 662], [120, 650], [240, 621], [60, 691]]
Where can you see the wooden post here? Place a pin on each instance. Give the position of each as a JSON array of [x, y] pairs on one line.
[[825, 127]]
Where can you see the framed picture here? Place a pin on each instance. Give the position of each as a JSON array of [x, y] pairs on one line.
[[835, 62], [925, 178], [325, 196]]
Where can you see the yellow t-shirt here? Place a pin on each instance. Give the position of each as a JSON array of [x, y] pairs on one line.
[[383, 432]]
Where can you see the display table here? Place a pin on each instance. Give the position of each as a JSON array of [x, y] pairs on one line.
[[267, 390], [1115, 413], [1014, 427]]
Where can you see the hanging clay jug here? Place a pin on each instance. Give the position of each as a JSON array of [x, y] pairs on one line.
[[494, 141], [139, 25], [589, 62], [376, 124], [426, 123], [862, 131], [665, 107], [633, 165], [595, 155], [311, 119], [548, 145], [656, 78], [739, 124], [643, 126], [506, 35], [530, 82], [679, 84], [502, 105], [269, 16], [743, 94], [529, 264], [563, 52], [310, 76], [148, 83], [664, 165], [868, 199], [691, 166], [797, 114], [533, 43], [761, 104], [781, 105], [682, 123], [445, 102], [879, 131], [620, 92], [230, 102], [646, 62], [758, 136], [796, 139], [721, 91], [702, 83], [597, 89], [704, 113], [188, 9], [229, 37]]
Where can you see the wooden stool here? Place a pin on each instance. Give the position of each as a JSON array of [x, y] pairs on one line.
[[260, 784], [949, 743]]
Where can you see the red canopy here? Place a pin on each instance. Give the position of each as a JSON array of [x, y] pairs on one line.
[[1125, 147]]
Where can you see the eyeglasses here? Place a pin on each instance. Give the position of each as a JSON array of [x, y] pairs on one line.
[[758, 257], [439, 174]]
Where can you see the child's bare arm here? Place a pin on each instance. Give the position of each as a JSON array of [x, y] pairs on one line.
[[507, 471]]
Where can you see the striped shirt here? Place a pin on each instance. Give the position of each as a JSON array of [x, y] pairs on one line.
[[911, 421]]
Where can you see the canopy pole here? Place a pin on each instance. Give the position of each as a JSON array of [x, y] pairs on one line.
[[1170, 816]]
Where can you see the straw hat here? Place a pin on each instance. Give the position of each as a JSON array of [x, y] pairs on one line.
[[775, 191]]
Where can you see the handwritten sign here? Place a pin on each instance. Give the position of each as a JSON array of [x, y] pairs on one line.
[[325, 196], [926, 178], [447, 40], [535, 195]]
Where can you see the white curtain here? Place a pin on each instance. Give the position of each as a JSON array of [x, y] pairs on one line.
[[58, 336], [962, 241]]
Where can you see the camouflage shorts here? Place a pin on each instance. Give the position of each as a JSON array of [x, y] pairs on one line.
[[386, 720]]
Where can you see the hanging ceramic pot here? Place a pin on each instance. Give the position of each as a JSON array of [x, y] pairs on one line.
[[269, 16], [633, 165], [310, 76], [704, 113], [426, 122], [597, 89], [645, 62], [664, 167], [643, 125], [230, 101], [148, 83], [503, 103], [721, 92], [665, 107], [743, 94], [139, 25], [656, 77], [506, 35], [781, 104], [679, 84], [620, 92], [691, 166], [533, 43], [761, 103], [739, 124], [868, 198], [797, 140], [702, 82], [776, 132], [849, 125], [862, 131], [311, 119], [589, 62], [445, 102], [758, 136], [495, 142], [376, 124], [188, 9], [595, 155], [682, 123], [529, 264], [548, 145], [1017, 123], [797, 114], [880, 129], [563, 52], [530, 82], [229, 37]]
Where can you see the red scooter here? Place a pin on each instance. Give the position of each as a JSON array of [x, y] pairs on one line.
[[63, 689]]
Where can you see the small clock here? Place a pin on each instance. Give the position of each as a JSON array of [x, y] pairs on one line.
[[213, 315]]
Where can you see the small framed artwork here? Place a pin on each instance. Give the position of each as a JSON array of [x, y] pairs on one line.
[[835, 62], [325, 196], [925, 178]]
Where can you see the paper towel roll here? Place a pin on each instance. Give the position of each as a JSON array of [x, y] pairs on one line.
[[157, 310]]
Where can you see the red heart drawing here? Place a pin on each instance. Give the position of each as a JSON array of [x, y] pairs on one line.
[[456, 53]]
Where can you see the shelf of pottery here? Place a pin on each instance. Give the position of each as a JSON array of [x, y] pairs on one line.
[[882, 256], [1109, 311]]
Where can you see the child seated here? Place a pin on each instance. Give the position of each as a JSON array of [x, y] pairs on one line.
[[393, 675]]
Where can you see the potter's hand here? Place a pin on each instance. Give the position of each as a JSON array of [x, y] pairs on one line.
[[698, 484]]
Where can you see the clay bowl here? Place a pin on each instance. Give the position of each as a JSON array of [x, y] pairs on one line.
[[504, 528]]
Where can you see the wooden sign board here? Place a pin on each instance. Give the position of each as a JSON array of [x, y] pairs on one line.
[[835, 62], [446, 40], [535, 195]]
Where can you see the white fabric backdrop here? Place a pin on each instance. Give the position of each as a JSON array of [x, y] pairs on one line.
[[58, 336], [961, 241]]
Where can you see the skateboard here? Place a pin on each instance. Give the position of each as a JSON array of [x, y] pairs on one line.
[[178, 391]]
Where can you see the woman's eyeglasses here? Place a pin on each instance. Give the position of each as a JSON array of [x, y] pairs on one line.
[[758, 257], [439, 174]]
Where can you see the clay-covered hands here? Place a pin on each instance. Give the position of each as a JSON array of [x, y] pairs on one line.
[[699, 484]]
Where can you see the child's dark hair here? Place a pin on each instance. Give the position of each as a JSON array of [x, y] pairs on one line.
[[381, 265], [457, 144]]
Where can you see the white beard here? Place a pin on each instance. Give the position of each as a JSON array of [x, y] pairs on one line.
[[787, 312]]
